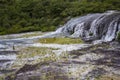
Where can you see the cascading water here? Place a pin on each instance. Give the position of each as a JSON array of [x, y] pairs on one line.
[[99, 26]]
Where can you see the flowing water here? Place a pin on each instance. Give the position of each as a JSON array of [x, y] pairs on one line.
[[99, 26]]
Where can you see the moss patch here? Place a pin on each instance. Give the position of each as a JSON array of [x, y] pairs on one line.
[[33, 55], [118, 36], [60, 40], [108, 77], [34, 51], [1, 78]]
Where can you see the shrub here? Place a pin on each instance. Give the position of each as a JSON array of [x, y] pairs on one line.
[[118, 36], [46, 13], [90, 34]]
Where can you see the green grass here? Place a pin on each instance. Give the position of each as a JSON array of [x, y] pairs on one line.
[[1, 78], [34, 51], [38, 55], [60, 40], [108, 77], [31, 52], [43, 54]]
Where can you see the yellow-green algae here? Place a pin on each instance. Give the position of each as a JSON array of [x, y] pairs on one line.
[[33, 55], [61, 40]]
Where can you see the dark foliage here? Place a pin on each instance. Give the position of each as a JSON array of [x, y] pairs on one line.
[[45, 15]]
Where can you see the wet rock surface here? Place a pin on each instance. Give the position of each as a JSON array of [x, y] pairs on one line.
[[99, 26], [91, 63], [7, 58], [97, 61]]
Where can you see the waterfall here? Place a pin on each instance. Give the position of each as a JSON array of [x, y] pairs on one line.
[[98, 26]]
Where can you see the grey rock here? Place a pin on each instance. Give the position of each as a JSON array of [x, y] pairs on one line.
[[98, 26]]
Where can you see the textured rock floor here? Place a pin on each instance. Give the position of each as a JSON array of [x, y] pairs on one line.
[[97, 62], [82, 62]]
